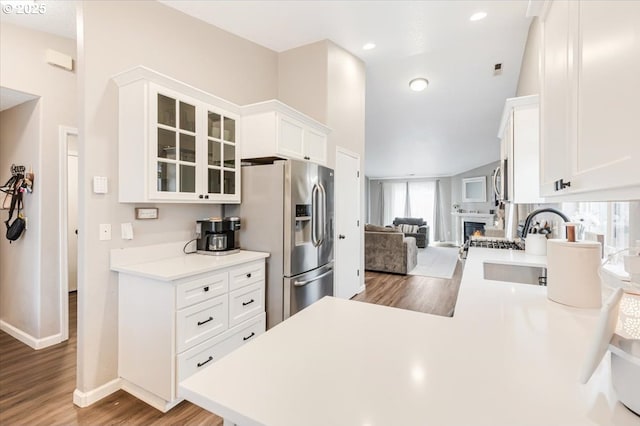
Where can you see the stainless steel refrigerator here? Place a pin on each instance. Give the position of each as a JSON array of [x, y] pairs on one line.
[[287, 209]]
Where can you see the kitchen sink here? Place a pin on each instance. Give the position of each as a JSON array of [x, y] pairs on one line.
[[515, 273]]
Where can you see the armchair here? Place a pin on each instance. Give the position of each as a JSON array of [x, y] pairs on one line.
[[387, 250], [419, 229]]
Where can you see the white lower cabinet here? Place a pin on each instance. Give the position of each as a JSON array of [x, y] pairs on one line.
[[170, 329], [212, 350]]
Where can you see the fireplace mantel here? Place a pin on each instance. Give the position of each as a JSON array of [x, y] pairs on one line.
[[487, 218]]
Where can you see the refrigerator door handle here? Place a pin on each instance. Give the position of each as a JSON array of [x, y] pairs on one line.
[[305, 282], [323, 210], [314, 215]]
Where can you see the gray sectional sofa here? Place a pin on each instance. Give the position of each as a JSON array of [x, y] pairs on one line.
[[422, 233]]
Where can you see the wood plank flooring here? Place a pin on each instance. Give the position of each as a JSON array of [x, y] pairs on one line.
[[36, 387], [416, 293]]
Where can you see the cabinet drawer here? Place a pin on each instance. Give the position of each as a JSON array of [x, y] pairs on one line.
[[248, 331], [198, 323], [212, 350], [245, 303], [246, 274], [201, 289]]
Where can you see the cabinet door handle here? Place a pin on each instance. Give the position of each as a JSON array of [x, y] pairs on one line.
[[249, 275], [206, 197], [205, 321], [200, 364], [248, 303], [206, 288], [307, 157], [249, 336], [200, 196], [341, 237], [561, 184]]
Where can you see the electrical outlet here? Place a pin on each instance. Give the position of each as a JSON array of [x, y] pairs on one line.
[[105, 231]]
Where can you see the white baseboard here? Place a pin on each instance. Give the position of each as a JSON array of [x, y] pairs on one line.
[[28, 339], [148, 397], [84, 399]]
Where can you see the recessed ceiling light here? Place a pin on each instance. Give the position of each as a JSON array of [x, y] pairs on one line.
[[478, 16], [369, 46], [418, 84]]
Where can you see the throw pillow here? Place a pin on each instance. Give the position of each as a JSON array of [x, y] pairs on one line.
[[408, 229]]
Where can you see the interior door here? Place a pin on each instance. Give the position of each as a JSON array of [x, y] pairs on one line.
[[72, 211], [348, 241]]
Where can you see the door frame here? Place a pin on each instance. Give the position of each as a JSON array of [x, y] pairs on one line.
[[355, 155], [63, 134]]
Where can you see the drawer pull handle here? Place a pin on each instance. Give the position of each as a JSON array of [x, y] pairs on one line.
[[249, 275], [200, 364], [205, 321], [206, 288], [249, 336], [248, 303]]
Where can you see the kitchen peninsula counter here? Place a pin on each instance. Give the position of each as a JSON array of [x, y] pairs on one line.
[[509, 356]]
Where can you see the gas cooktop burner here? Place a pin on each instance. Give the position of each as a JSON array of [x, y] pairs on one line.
[[494, 243]]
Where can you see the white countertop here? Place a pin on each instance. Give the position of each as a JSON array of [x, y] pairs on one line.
[[174, 268], [509, 357]]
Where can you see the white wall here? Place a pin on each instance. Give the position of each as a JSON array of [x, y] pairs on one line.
[[456, 188], [19, 264], [302, 79], [115, 39], [528, 82], [23, 68]]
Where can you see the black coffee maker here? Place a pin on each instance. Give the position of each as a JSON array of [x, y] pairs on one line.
[[218, 236]]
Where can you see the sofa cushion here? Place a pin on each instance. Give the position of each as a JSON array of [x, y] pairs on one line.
[[376, 228], [409, 221]]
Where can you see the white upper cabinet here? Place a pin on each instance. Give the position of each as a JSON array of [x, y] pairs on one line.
[[176, 143], [519, 132], [590, 114], [274, 129]]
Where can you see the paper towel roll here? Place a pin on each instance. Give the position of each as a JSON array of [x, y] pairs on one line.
[[572, 273]]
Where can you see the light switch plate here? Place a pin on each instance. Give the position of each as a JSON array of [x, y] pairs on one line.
[[126, 230], [100, 185]]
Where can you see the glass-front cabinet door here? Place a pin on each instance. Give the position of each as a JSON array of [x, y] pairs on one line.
[[174, 149], [194, 156], [222, 170]]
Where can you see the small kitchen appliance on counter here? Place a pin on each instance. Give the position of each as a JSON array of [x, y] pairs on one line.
[[218, 236], [572, 273]]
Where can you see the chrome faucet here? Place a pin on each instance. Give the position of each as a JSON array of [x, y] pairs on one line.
[[527, 221]]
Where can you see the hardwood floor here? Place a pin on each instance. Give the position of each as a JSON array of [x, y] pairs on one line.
[[36, 387], [423, 294]]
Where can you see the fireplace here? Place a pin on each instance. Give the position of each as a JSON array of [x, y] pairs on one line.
[[473, 228]]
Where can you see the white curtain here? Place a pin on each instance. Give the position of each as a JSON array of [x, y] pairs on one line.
[[439, 233], [394, 201], [421, 202]]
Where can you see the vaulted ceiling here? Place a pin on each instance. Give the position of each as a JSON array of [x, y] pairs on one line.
[[450, 127]]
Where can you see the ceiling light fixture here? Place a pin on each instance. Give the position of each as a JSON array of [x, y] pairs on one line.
[[369, 46], [418, 84], [478, 16]]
